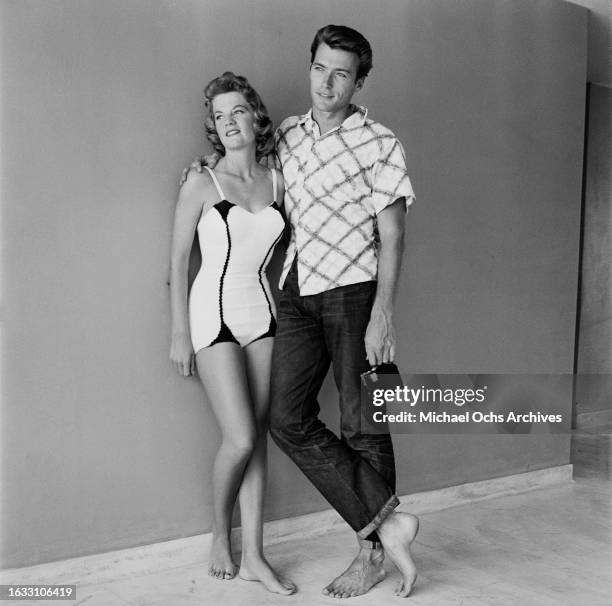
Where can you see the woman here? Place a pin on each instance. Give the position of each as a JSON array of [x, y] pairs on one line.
[[226, 328]]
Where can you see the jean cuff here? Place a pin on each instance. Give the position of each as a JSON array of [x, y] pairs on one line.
[[379, 518]]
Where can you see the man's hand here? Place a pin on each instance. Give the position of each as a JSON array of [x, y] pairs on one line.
[[380, 337], [198, 165]]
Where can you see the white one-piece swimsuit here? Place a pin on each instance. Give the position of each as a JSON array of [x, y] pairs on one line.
[[230, 299]]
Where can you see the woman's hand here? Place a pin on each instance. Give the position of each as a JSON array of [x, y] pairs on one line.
[[181, 355]]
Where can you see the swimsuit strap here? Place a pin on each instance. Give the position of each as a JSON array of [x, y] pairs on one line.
[[273, 184], [214, 178]]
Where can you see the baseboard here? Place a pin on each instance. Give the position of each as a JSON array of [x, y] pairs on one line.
[[125, 563], [593, 419]]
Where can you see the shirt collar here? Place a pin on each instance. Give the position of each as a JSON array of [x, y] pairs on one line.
[[357, 117]]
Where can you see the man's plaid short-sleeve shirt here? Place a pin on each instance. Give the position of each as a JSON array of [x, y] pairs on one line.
[[335, 185]]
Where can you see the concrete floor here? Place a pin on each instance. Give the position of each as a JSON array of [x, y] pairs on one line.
[[549, 546]]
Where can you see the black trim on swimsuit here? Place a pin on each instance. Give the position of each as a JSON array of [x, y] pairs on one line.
[[272, 326], [225, 334]]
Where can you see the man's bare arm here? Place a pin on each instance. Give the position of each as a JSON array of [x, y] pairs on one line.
[[380, 333]]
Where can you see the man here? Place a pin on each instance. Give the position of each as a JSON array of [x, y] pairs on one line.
[[345, 181], [347, 191]]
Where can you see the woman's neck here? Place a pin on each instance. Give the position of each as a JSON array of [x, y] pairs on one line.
[[241, 163]]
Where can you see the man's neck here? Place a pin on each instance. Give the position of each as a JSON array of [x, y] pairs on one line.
[[327, 121]]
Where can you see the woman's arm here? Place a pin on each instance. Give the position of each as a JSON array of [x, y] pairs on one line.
[[186, 215]]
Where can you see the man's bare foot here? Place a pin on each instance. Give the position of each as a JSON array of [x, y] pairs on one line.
[[256, 568], [221, 566], [396, 533], [362, 574]]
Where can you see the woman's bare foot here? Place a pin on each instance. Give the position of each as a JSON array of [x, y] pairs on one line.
[[256, 568], [362, 574], [396, 533], [221, 565]]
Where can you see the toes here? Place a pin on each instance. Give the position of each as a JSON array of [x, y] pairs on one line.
[[289, 592], [403, 590], [282, 587], [223, 574], [340, 591]]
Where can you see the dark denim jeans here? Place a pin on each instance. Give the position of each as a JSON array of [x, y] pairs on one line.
[[355, 473]]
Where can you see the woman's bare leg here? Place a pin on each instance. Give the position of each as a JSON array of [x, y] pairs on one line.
[[254, 566], [223, 373]]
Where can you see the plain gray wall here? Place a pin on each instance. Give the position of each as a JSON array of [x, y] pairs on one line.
[[103, 446]]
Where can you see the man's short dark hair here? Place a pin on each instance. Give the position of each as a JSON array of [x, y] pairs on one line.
[[346, 39]]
